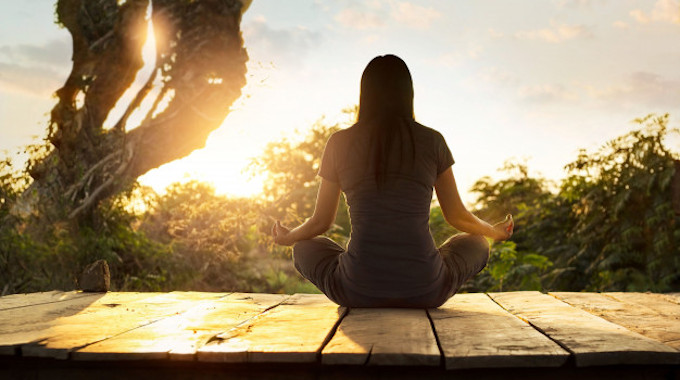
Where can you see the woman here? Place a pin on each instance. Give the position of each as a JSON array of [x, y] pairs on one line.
[[387, 164]]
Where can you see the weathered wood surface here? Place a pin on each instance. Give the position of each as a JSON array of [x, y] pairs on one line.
[[528, 329], [658, 319], [179, 336], [20, 326], [30, 299], [659, 303], [106, 318], [591, 339], [475, 332], [293, 332], [383, 337]]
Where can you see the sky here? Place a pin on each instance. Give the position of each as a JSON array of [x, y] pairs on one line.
[[524, 80]]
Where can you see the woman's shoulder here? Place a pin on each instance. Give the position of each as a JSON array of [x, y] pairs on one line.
[[346, 133], [427, 131]]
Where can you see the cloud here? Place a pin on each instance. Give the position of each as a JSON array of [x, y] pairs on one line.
[[36, 70], [640, 87], [495, 34], [663, 11], [578, 3], [31, 80], [620, 25], [414, 16], [357, 19], [639, 16], [378, 13], [54, 52], [284, 47], [546, 93], [457, 57], [497, 76], [556, 33]]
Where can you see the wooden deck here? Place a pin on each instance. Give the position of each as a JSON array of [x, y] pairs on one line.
[[192, 334]]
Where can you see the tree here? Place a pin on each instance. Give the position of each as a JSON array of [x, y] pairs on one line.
[[199, 71], [519, 264], [626, 230], [611, 225], [292, 181]]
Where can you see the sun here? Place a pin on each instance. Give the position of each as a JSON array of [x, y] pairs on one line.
[[224, 160]]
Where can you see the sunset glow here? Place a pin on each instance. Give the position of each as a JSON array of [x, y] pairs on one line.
[[499, 80]]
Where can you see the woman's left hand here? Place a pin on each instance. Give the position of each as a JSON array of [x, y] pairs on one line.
[[281, 234], [505, 228]]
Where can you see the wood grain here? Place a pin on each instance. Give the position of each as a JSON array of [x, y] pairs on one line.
[[110, 315], [24, 325], [30, 299], [592, 340], [648, 314], [179, 336], [383, 337], [294, 331], [475, 332], [659, 303]]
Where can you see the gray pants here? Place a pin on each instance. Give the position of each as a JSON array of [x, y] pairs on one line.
[[316, 259]]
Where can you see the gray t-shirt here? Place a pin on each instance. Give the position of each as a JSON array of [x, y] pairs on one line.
[[391, 252]]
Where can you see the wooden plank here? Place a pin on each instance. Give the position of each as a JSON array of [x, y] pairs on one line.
[[111, 315], [29, 324], [178, 337], [661, 326], [592, 340], [13, 301], [383, 337], [474, 332], [294, 331], [660, 303]]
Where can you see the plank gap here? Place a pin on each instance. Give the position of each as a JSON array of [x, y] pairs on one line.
[[570, 359], [331, 333], [442, 357], [217, 338], [368, 357], [162, 318]]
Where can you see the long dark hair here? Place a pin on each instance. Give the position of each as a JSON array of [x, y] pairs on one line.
[[386, 106]]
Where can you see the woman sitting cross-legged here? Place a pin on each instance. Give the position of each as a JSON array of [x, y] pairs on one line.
[[387, 165]]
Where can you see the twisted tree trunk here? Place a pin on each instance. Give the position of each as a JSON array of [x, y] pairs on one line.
[[199, 72]]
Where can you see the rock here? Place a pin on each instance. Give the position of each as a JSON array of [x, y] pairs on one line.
[[96, 277]]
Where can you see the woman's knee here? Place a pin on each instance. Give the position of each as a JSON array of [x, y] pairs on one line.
[[481, 247], [310, 252], [301, 251], [472, 249]]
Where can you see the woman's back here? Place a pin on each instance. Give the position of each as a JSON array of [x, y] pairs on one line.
[[387, 165], [391, 252]]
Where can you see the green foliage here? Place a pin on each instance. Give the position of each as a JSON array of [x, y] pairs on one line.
[[609, 225], [54, 258], [626, 232], [220, 243], [516, 265], [292, 181], [440, 229], [514, 270]]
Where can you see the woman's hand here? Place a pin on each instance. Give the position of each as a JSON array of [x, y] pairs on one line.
[[281, 234], [504, 228]]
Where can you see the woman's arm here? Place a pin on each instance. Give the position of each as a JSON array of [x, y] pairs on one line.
[[324, 215], [459, 217]]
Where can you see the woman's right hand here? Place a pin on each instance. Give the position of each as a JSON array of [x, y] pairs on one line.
[[281, 234], [504, 228]]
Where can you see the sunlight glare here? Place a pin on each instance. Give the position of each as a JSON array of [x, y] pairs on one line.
[[149, 58]]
